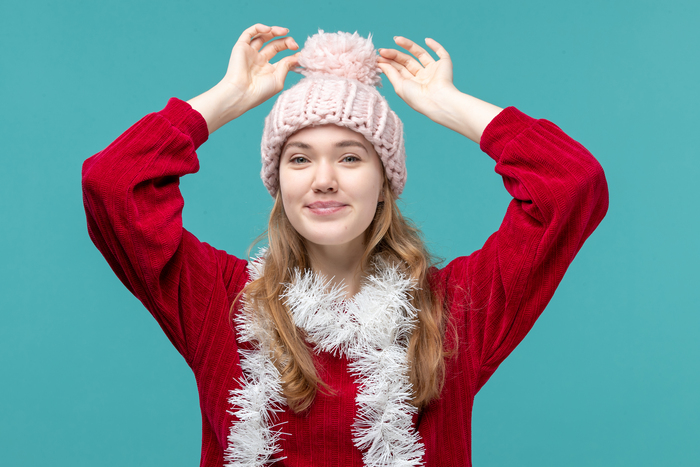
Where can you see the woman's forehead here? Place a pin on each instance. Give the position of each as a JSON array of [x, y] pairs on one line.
[[328, 134]]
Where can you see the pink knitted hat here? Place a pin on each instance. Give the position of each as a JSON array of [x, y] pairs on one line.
[[340, 74]]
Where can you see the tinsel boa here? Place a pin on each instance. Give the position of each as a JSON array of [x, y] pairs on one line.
[[371, 330]]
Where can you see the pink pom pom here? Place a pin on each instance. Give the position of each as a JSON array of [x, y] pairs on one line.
[[340, 54]]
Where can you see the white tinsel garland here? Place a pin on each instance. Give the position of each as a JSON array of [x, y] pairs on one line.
[[371, 329]]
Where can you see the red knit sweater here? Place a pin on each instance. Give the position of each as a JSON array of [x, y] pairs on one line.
[[133, 206]]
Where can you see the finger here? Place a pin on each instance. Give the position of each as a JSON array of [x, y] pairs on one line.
[[419, 52], [398, 67], [437, 48], [261, 38], [404, 59], [283, 66], [276, 46], [253, 31], [391, 73]]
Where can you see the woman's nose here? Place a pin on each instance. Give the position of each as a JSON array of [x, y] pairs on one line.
[[325, 179]]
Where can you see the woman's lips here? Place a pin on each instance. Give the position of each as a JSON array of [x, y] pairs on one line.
[[324, 208]]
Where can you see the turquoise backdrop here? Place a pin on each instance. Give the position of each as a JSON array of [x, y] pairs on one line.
[[609, 374]]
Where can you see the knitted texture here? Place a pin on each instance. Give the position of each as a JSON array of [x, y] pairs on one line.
[[340, 74]]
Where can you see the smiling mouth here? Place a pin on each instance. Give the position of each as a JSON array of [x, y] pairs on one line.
[[325, 208]]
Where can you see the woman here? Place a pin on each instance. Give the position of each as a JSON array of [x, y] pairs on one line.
[[340, 344]]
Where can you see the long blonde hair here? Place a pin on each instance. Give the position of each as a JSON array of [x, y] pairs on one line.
[[390, 235]]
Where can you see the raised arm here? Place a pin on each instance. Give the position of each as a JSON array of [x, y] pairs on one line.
[[134, 206], [559, 194]]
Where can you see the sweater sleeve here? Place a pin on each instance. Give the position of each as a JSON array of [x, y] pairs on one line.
[[134, 207], [560, 196]]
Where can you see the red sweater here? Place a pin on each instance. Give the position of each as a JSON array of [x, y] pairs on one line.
[[133, 206]]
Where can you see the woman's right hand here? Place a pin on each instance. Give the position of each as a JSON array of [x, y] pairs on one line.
[[250, 78], [250, 74]]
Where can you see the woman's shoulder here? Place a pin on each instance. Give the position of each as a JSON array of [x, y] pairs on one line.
[[452, 272], [217, 268]]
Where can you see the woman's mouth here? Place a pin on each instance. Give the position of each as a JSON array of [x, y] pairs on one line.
[[324, 208]]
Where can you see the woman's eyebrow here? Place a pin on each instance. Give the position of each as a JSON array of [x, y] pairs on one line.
[[296, 145], [350, 142], [340, 144]]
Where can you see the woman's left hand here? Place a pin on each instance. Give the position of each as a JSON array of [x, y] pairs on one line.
[[424, 84]]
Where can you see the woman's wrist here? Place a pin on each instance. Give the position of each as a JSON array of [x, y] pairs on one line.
[[218, 106], [464, 114]]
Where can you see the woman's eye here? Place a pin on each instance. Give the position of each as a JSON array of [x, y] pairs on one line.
[[350, 158], [298, 160]]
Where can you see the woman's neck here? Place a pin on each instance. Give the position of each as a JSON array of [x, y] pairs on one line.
[[339, 263]]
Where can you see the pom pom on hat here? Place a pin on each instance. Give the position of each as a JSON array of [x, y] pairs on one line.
[[340, 54], [339, 87]]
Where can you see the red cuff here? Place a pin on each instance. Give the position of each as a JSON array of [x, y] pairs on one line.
[[508, 124], [186, 119]]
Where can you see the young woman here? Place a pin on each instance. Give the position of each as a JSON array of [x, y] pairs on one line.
[[341, 343]]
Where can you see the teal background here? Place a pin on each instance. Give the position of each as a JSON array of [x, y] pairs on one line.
[[609, 374]]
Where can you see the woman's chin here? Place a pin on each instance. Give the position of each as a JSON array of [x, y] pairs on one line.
[[333, 239]]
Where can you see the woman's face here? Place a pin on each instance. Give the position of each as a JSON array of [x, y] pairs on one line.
[[331, 181]]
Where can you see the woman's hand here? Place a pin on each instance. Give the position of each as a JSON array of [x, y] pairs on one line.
[[250, 78], [426, 85], [422, 85], [250, 74]]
